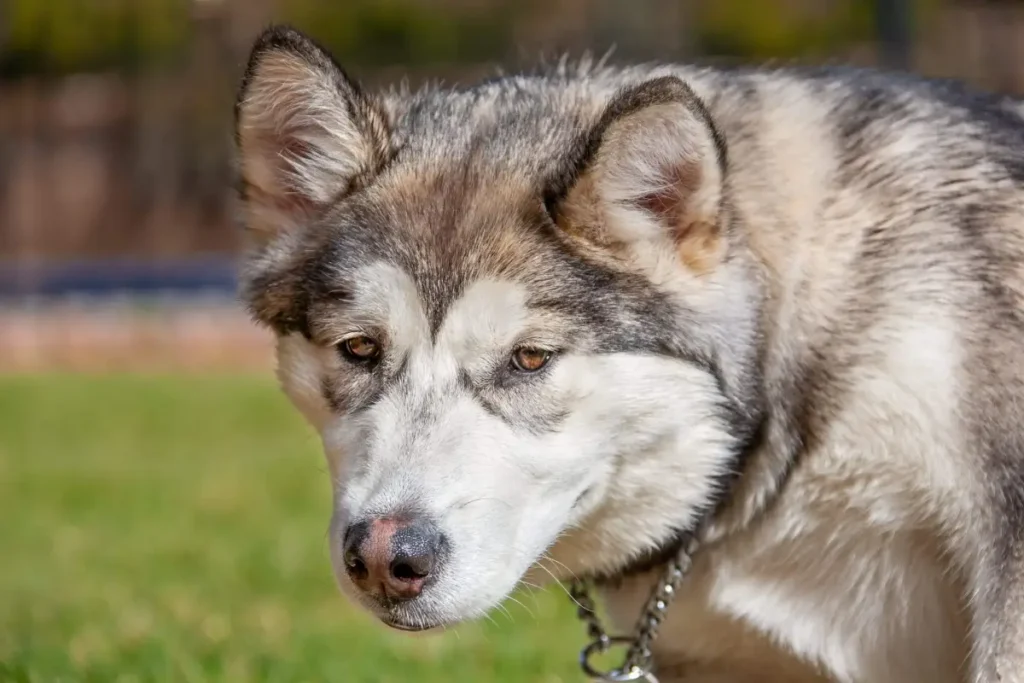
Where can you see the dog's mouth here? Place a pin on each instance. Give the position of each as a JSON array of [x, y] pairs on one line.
[[410, 628]]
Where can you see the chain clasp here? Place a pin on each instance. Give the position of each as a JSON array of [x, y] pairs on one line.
[[628, 672], [639, 659]]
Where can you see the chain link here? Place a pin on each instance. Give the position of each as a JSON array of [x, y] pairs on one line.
[[639, 660], [586, 610]]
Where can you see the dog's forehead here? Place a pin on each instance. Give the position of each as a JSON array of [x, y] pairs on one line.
[[511, 120], [447, 226], [485, 313], [414, 253], [465, 187], [463, 202]]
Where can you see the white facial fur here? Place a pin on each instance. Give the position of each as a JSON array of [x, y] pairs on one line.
[[636, 451]]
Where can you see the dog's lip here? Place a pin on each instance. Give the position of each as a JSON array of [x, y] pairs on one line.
[[410, 628]]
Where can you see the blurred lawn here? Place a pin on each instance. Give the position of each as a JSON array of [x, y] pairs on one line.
[[173, 529]]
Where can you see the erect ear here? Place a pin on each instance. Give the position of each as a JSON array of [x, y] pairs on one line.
[[306, 134], [651, 175]]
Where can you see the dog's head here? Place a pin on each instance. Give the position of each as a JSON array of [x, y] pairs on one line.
[[519, 317]]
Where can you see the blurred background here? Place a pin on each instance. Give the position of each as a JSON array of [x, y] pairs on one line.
[[163, 510]]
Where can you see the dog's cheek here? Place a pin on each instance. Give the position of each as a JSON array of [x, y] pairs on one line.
[[659, 449], [571, 465], [300, 371], [346, 441]]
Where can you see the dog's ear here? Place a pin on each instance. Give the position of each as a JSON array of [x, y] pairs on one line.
[[650, 175], [306, 134]]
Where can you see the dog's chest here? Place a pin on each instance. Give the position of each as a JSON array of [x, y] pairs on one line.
[[810, 602]]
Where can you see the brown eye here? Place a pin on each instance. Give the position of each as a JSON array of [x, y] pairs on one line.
[[528, 359], [360, 349]]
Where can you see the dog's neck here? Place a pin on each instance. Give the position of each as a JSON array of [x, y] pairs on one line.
[[765, 454], [656, 558], [720, 517]]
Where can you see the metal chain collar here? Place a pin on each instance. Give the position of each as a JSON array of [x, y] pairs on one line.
[[639, 661]]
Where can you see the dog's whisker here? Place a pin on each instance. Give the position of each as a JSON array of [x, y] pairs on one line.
[[459, 506], [521, 604], [504, 610], [552, 560], [560, 585]]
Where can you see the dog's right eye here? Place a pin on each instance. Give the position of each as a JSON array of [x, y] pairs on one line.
[[528, 360], [360, 349]]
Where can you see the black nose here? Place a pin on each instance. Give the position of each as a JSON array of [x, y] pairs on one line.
[[393, 557]]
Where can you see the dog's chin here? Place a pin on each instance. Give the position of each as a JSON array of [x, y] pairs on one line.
[[438, 608], [399, 618]]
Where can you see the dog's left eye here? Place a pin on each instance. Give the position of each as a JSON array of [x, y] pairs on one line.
[[528, 359], [360, 349]]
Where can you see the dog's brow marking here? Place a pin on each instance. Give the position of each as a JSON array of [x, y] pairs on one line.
[[489, 315], [388, 293]]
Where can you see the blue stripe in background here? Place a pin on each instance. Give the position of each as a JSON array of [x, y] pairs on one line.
[[195, 275]]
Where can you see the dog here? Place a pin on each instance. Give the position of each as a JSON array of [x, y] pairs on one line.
[[550, 323]]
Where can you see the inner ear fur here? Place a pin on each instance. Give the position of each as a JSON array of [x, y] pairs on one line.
[[651, 171], [306, 133]]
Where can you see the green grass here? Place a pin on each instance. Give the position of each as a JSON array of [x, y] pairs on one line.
[[173, 529]]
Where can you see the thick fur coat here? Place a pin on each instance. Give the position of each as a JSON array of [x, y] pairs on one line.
[[566, 315]]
